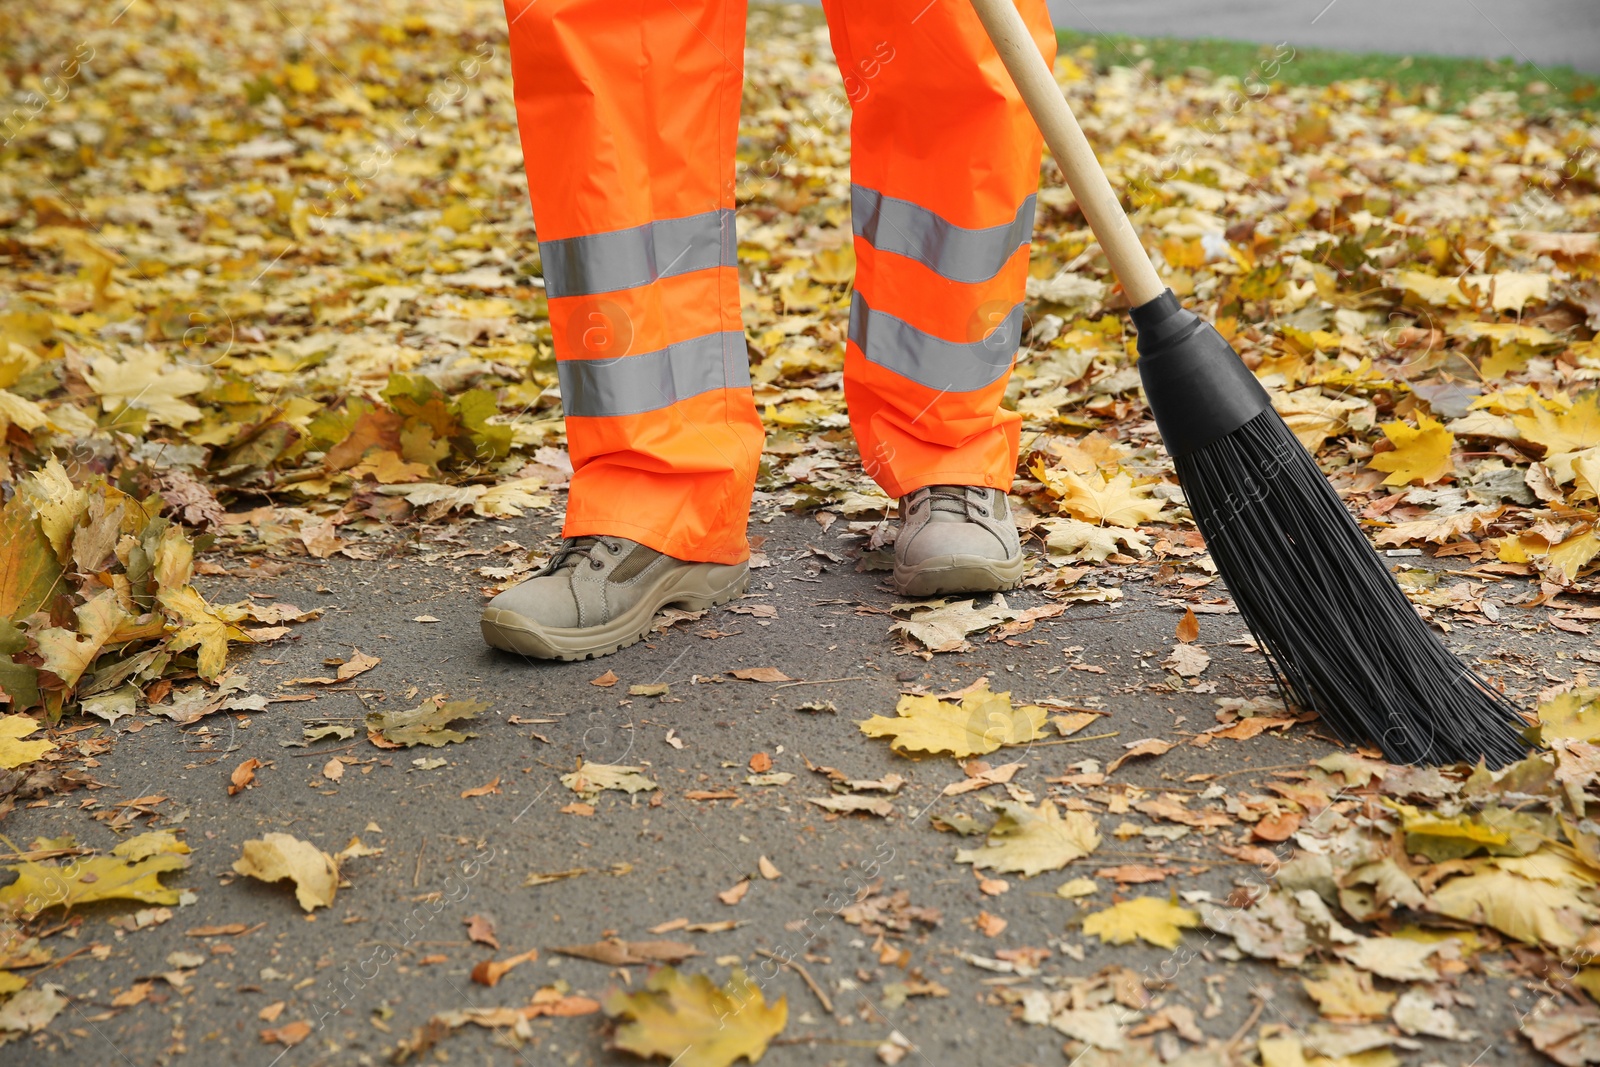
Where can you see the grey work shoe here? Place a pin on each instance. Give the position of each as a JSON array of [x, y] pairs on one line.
[[599, 594], [956, 539]]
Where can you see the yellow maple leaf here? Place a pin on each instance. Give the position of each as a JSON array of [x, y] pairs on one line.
[[693, 1023], [203, 628], [1532, 910], [68, 654], [1347, 993], [58, 504], [275, 856], [981, 723], [14, 751], [1572, 430], [132, 872], [1421, 453], [1105, 502], [1028, 841], [1160, 922], [148, 380], [1573, 716]]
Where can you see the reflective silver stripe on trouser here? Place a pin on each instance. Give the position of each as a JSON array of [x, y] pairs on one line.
[[932, 361], [952, 251], [624, 259], [631, 385]]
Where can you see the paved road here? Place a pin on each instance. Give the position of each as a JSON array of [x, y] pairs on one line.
[[1537, 31], [674, 856]]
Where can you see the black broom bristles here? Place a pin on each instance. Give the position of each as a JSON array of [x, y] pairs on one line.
[[1341, 637]]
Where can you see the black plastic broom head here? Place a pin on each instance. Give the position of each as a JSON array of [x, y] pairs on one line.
[[1340, 635]]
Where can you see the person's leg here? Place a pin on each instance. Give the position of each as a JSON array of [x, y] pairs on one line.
[[628, 116], [944, 171]]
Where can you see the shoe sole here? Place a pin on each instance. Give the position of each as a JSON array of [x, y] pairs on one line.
[[959, 574], [692, 590]]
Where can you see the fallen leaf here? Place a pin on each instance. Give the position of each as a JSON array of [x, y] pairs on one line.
[[615, 953], [489, 972], [482, 790], [14, 751], [761, 674], [590, 779], [426, 724], [288, 1035], [984, 778], [768, 869], [243, 776], [606, 680], [1150, 746], [942, 627], [1346, 994], [693, 1023], [1420, 456], [760, 763], [333, 770], [980, 724], [1157, 921], [1188, 627], [1028, 841], [480, 928], [131, 872], [1187, 661], [990, 925], [276, 856], [732, 896], [850, 804]]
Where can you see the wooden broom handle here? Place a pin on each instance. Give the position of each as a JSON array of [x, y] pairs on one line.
[[1071, 148]]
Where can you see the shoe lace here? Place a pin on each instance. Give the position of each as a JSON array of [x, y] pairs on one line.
[[574, 550], [948, 498]]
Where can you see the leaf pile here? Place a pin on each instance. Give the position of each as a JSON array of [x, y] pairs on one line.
[[96, 600]]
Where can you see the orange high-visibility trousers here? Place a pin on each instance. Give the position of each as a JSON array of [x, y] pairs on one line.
[[628, 116]]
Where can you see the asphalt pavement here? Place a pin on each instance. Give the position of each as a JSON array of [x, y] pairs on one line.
[[640, 863]]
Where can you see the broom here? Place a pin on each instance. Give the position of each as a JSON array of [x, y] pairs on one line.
[[1340, 636]]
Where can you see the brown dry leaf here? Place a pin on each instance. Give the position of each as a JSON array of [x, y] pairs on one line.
[[333, 770], [980, 777], [990, 925], [760, 763], [276, 856], [615, 953], [1187, 661], [732, 896], [761, 674], [1150, 746], [288, 1035], [482, 790], [606, 680], [851, 804], [243, 776], [480, 928], [1133, 874], [1188, 627], [489, 972], [768, 869]]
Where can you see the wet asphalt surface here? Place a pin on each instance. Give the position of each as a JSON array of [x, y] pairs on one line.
[[656, 857]]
